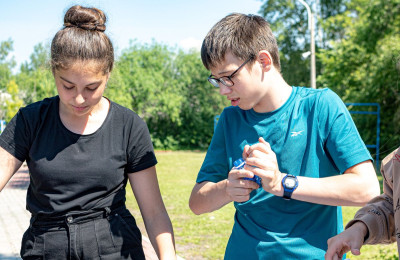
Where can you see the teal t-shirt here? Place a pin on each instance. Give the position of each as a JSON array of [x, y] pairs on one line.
[[313, 135]]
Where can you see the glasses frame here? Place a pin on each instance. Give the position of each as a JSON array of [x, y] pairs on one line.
[[226, 80]]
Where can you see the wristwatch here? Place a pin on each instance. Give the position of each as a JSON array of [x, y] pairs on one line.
[[289, 183]]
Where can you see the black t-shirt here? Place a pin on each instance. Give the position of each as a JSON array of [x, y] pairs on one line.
[[71, 172]]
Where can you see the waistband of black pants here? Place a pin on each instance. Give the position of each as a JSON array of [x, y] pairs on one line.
[[76, 217]]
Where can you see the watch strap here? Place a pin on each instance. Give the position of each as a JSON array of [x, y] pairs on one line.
[[287, 193]]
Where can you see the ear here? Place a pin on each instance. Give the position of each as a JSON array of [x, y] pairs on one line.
[[265, 59]]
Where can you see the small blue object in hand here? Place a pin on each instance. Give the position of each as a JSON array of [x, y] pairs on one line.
[[239, 164]]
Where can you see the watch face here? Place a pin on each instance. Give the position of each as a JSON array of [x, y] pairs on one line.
[[290, 182]]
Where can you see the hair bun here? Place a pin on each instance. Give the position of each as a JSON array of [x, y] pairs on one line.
[[85, 18]]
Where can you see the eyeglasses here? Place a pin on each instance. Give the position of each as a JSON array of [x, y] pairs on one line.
[[226, 80]]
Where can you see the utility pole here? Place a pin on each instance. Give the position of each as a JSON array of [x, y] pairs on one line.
[[312, 51]]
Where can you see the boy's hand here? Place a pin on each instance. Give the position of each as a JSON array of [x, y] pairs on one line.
[[261, 160], [350, 239], [238, 189]]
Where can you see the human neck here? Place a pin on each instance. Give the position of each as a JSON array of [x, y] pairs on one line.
[[85, 124], [276, 94]]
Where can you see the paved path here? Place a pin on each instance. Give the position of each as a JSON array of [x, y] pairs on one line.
[[14, 218]]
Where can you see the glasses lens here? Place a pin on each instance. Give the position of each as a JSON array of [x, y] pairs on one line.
[[226, 81], [214, 82]]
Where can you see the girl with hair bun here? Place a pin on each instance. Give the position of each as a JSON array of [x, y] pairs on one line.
[[81, 149]]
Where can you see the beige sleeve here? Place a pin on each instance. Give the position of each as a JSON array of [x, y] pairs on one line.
[[378, 214]]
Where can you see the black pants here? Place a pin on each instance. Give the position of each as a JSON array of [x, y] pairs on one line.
[[107, 234]]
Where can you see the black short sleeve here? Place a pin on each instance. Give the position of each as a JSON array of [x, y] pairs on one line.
[[140, 148], [18, 134]]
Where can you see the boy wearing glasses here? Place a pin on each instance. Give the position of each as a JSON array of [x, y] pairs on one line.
[[301, 142]]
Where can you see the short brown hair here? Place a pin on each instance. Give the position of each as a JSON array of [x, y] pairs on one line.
[[82, 39], [242, 35]]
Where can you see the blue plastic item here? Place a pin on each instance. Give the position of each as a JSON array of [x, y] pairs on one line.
[[239, 164]]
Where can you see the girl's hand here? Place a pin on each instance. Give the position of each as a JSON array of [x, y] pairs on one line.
[[351, 239]]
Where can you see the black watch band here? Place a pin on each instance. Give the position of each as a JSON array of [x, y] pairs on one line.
[[287, 194]]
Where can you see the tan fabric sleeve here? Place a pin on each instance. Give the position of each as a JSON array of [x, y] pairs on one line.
[[378, 214]]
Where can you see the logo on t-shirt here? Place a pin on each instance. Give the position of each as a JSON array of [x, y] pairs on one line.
[[297, 133]]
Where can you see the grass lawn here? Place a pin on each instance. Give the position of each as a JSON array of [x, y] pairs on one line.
[[205, 236]]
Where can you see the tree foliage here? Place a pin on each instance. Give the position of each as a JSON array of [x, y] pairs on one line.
[[289, 21], [8, 88], [14, 102], [6, 63], [363, 66], [168, 88], [35, 77], [202, 101]]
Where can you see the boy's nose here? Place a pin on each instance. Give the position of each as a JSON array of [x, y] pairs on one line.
[[223, 90]]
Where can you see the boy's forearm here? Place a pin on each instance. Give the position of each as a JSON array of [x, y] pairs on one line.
[[208, 196], [354, 188]]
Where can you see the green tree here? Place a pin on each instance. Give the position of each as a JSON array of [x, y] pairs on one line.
[[362, 66], [202, 101], [40, 58], [6, 63], [35, 78], [168, 88], [289, 22], [146, 71], [14, 102], [144, 81]]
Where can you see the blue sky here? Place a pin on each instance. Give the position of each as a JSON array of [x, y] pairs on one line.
[[182, 23]]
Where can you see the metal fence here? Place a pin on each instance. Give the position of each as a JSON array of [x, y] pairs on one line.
[[376, 112]]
